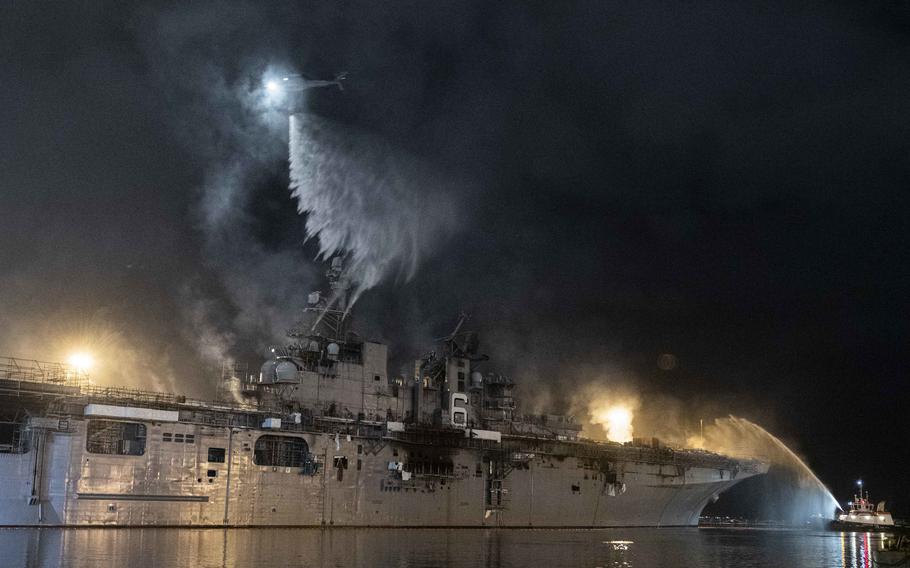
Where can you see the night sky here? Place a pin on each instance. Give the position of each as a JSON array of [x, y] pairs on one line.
[[726, 182]]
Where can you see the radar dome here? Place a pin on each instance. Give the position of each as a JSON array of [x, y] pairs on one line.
[[286, 372], [267, 372]]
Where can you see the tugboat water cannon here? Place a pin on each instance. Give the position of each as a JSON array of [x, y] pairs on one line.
[[861, 514]]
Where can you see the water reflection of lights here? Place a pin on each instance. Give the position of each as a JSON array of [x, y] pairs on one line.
[[843, 549], [860, 553], [620, 544], [867, 555], [620, 560], [853, 563]]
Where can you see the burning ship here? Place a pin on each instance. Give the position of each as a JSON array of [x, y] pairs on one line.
[[324, 436]]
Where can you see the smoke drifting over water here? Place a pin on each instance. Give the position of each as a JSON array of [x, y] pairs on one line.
[[382, 209]]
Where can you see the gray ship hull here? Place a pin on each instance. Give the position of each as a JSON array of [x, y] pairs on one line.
[[371, 481]]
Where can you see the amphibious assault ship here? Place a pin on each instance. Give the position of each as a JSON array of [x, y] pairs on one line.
[[325, 436]]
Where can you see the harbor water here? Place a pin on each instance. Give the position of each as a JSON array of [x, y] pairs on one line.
[[450, 548]]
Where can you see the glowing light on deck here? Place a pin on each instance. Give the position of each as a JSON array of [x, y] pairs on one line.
[[81, 361], [616, 420]]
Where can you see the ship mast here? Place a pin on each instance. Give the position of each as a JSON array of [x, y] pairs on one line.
[[327, 316]]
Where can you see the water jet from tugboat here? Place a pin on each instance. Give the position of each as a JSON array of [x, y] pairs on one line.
[[740, 437]]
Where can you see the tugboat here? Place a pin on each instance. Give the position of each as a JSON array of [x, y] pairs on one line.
[[862, 515]]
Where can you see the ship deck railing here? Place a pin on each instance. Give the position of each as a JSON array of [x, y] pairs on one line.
[[57, 380], [44, 372]]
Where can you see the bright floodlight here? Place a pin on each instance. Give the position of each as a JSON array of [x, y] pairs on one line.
[[272, 87], [82, 362]]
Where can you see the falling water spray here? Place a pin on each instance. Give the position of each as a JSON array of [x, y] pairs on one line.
[[380, 208], [739, 437]]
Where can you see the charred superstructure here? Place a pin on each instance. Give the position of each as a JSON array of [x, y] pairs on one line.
[[324, 435]]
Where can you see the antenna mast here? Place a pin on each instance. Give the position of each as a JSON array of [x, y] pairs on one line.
[[327, 316]]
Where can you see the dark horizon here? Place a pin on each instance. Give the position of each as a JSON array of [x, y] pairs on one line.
[[598, 184]]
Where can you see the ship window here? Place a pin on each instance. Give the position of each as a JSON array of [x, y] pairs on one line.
[[216, 455], [281, 451], [178, 438], [12, 438], [460, 381], [115, 438], [212, 473], [341, 462], [377, 378], [190, 438], [166, 437]]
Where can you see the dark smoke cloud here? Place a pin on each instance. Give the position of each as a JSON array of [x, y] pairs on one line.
[[721, 181]]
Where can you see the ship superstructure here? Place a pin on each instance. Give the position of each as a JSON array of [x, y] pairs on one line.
[[325, 436], [862, 513]]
